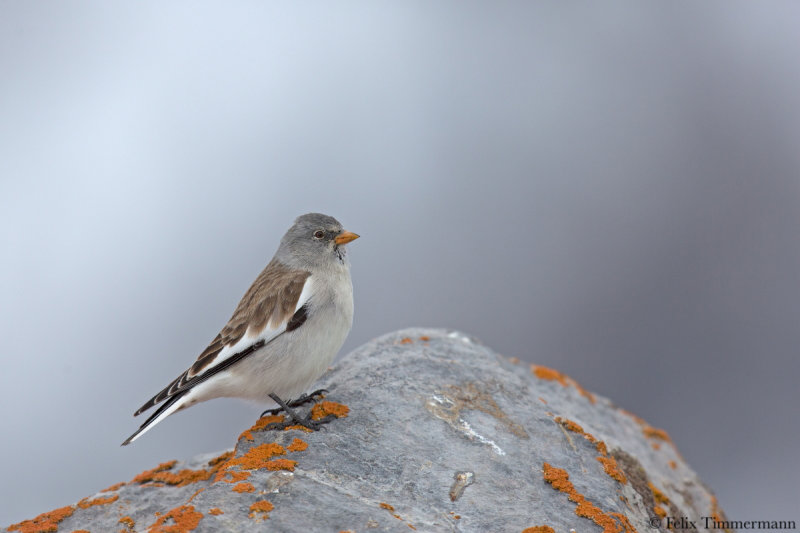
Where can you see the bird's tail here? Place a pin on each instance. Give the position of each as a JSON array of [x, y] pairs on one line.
[[166, 409]]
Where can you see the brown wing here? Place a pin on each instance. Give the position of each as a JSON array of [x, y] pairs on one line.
[[270, 301]]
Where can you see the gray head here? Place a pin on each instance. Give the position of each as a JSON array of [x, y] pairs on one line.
[[314, 241]]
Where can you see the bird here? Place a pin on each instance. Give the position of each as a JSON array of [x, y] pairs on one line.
[[283, 334]]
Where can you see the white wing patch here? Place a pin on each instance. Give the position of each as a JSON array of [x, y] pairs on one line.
[[267, 334]]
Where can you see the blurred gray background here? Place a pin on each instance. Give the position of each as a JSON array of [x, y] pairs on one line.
[[610, 189]]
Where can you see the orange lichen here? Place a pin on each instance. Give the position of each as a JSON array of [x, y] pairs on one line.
[[192, 497], [576, 428], [147, 475], [216, 461], [609, 463], [115, 486], [655, 433], [601, 447], [673, 465], [716, 512], [232, 476], [612, 469], [610, 522], [161, 474], [45, 522], [86, 503], [542, 400], [659, 496], [280, 464], [184, 518], [323, 409], [406, 340], [216, 511], [299, 428], [660, 511], [81, 531], [543, 372], [390, 508], [572, 426], [539, 529], [297, 445], [261, 509], [183, 477], [128, 522], [256, 457], [243, 487], [260, 424]]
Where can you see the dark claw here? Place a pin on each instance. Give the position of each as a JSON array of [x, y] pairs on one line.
[[302, 400], [319, 392], [271, 412]]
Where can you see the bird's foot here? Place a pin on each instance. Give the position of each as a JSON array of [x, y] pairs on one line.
[[302, 400], [294, 419], [307, 422]]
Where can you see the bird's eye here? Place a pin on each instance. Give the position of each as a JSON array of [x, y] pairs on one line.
[[319, 234]]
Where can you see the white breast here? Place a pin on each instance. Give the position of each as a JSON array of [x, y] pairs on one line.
[[293, 361]]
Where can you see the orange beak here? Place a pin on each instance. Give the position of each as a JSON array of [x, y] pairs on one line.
[[345, 237]]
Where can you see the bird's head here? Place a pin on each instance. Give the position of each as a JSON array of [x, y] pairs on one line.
[[314, 241]]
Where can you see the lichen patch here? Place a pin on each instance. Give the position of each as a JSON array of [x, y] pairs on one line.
[[280, 464], [261, 424], [610, 522], [612, 469], [243, 487], [390, 508], [114, 487], [325, 408], [45, 522], [232, 476], [103, 500], [655, 433], [609, 463], [260, 510], [148, 475], [256, 458], [549, 374], [297, 445], [178, 520]]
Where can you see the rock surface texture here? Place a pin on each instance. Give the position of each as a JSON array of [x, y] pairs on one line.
[[435, 432]]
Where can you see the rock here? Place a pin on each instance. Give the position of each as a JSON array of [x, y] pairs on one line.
[[442, 434]]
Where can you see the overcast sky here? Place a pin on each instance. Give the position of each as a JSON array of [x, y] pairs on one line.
[[611, 189]]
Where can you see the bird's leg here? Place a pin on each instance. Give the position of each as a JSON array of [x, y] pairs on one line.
[[302, 400], [295, 419]]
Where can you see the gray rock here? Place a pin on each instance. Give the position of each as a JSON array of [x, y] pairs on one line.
[[442, 435]]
